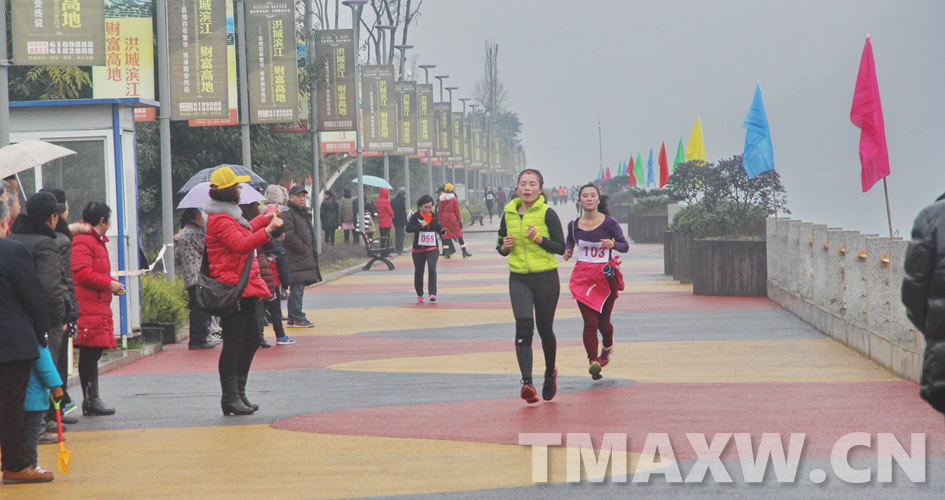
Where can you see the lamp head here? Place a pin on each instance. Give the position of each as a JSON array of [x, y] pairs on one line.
[[354, 3]]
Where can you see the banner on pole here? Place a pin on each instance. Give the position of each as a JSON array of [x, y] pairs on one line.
[[129, 56], [426, 127], [475, 131], [458, 135], [198, 65], [232, 89], [380, 110], [405, 97], [444, 130], [271, 62], [334, 70], [58, 32]]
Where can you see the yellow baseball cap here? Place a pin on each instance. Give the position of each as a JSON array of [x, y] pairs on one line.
[[224, 177], [448, 187]]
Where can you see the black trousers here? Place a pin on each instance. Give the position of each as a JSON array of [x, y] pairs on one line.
[[199, 319], [534, 301], [427, 259], [240, 338], [88, 364], [330, 236], [14, 376], [274, 309]]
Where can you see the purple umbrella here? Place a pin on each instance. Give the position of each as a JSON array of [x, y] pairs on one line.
[[200, 195]]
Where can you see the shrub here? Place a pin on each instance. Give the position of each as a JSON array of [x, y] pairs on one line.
[[651, 204], [163, 301], [725, 220]]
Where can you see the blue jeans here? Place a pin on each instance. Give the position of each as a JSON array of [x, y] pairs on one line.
[[296, 292], [35, 425]]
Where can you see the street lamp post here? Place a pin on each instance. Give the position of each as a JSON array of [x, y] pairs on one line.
[[356, 8], [426, 79], [313, 124], [403, 58], [452, 129], [467, 158]]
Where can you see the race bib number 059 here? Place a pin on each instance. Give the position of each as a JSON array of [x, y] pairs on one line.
[[592, 252], [427, 239]]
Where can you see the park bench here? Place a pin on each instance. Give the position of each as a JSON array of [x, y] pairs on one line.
[[474, 215], [379, 250]]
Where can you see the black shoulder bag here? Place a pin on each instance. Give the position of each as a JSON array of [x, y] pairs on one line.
[[216, 297]]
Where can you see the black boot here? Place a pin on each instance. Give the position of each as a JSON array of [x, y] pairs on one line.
[[241, 382], [231, 402], [92, 404], [466, 253]]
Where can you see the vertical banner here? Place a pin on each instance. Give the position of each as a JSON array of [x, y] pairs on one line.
[[271, 51], [377, 93], [443, 145], [198, 66], [58, 32], [232, 88], [457, 139], [129, 55], [426, 122], [475, 154], [334, 69], [405, 97]]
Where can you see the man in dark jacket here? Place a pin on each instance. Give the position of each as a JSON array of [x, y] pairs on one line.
[[923, 294], [303, 261], [23, 323], [35, 229], [399, 204]]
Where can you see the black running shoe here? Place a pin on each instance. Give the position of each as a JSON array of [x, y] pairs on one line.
[[550, 387]]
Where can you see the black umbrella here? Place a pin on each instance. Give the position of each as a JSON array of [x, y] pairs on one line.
[[204, 176]]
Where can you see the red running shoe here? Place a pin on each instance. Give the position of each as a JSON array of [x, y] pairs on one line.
[[529, 394], [605, 354]]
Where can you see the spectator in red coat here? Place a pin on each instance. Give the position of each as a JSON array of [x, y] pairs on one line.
[[385, 213], [452, 220], [94, 289], [231, 241]]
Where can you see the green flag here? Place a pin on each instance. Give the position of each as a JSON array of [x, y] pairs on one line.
[[680, 154], [638, 170]]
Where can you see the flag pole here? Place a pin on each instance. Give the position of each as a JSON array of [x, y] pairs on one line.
[[600, 145], [888, 213]]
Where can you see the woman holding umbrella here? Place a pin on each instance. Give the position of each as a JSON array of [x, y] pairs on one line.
[[231, 241]]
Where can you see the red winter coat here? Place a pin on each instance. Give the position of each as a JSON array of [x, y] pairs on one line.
[[450, 217], [385, 213], [229, 244], [91, 272]]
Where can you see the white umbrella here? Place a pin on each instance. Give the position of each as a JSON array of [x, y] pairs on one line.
[[200, 195], [28, 154]]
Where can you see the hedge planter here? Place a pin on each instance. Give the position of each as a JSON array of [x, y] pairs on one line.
[[168, 331], [729, 268], [622, 213], [677, 247], [152, 334], [647, 228]]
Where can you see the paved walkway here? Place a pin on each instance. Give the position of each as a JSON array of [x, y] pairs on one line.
[[387, 397]]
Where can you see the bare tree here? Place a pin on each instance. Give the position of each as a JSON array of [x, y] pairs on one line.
[[490, 91]]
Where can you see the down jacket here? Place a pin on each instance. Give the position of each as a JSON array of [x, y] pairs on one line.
[[64, 242], [450, 217], [23, 311], [40, 240], [923, 294], [385, 213], [91, 272], [230, 241], [300, 245], [329, 212]]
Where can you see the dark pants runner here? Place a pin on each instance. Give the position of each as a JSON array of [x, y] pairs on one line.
[[534, 301], [428, 259]]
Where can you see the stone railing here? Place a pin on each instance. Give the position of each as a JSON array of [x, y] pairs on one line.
[[847, 286]]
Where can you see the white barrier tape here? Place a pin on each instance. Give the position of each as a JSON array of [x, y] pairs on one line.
[[139, 272]]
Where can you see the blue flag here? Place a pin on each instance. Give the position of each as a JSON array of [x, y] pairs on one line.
[[649, 169], [759, 154]]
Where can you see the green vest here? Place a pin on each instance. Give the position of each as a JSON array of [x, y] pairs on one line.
[[527, 256]]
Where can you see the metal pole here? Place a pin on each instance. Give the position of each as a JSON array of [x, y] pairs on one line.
[[452, 167], [244, 82], [356, 6], [313, 125], [4, 80], [164, 122], [888, 213]]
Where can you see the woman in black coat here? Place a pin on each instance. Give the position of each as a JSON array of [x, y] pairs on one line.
[[331, 219]]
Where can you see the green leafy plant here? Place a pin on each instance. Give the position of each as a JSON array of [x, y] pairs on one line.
[[651, 204], [163, 301]]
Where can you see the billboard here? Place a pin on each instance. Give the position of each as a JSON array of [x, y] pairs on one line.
[[129, 56], [334, 51], [405, 94], [379, 108], [58, 32], [198, 65], [443, 144], [426, 126], [271, 62]]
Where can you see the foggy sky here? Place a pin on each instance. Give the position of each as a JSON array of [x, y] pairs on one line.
[[647, 69]]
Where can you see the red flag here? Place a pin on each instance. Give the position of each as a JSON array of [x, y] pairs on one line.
[[633, 180], [867, 115], [664, 166], [608, 173]]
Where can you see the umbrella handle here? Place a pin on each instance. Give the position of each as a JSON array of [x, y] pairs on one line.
[[58, 418]]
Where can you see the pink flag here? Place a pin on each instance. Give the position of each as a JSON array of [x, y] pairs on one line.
[[867, 115]]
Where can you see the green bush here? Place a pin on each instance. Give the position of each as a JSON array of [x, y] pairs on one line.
[[725, 220], [163, 301], [651, 204]]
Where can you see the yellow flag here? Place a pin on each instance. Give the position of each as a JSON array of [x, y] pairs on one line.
[[696, 149]]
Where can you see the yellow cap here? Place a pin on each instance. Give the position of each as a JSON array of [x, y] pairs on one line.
[[448, 187], [224, 177]]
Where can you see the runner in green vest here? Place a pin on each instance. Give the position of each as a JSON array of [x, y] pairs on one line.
[[530, 235]]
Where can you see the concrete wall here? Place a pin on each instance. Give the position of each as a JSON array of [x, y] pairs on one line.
[[847, 286]]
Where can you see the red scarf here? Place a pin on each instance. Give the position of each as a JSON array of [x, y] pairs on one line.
[[426, 217]]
